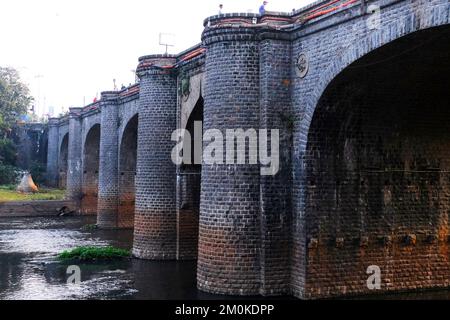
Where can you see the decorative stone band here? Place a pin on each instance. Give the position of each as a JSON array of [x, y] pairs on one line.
[[109, 97], [211, 35], [164, 63], [63, 121], [248, 21], [91, 107], [278, 20], [246, 27], [155, 64], [53, 122], [132, 90], [75, 113]]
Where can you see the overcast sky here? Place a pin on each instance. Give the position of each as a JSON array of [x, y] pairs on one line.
[[69, 51]]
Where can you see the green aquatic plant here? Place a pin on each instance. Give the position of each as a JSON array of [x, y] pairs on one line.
[[94, 253]]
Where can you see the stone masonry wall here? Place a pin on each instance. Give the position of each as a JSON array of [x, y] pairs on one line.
[[378, 172], [74, 172], [275, 191], [155, 211], [360, 101], [331, 44], [108, 186], [229, 234]]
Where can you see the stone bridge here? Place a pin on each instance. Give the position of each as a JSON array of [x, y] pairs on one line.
[[359, 93]]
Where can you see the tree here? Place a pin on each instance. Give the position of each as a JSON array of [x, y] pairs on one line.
[[15, 99], [7, 152]]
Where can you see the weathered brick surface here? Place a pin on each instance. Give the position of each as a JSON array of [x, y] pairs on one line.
[[127, 174], [155, 211], [108, 193], [377, 167], [188, 211], [364, 152], [74, 172], [275, 191], [332, 44], [229, 234], [90, 173]]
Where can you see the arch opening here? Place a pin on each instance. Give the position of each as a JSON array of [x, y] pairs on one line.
[[91, 160], [189, 183], [63, 162], [127, 174], [377, 174]]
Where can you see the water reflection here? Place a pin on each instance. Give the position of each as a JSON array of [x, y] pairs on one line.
[[29, 268]]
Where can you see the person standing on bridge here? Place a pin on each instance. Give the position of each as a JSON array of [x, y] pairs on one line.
[[262, 9], [220, 9]]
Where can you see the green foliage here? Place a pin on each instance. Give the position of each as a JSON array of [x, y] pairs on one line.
[[185, 86], [8, 174], [37, 171], [94, 253], [8, 187], [8, 193], [8, 152], [15, 98]]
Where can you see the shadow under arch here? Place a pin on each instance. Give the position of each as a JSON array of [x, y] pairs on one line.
[[377, 170], [63, 162], [91, 161], [127, 174], [370, 42], [188, 193]]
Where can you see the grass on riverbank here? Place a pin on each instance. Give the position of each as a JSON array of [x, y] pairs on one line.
[[94, 254], [9, 194]]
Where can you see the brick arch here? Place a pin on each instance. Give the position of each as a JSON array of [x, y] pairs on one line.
[[364, 45], [91, 160], [63, 158], [127, 173], [375, 170]]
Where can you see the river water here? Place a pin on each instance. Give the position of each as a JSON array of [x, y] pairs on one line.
[[30, 270]]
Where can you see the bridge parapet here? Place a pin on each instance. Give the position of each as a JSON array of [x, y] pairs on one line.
[[91, 107], [130, 91], [280, 20], [156, 63], [53, 122]]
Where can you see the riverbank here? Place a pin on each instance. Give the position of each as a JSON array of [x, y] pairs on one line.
[[9, 194], [38, 208]]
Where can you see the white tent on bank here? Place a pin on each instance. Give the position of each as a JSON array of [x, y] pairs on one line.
[[27, 184]]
